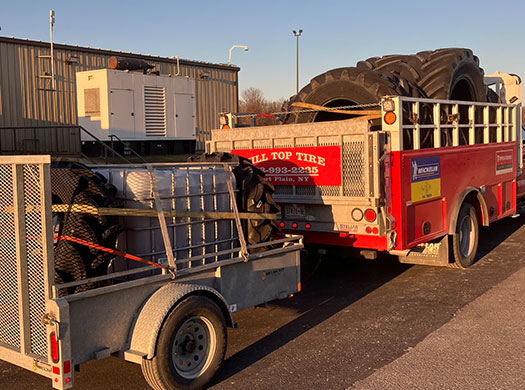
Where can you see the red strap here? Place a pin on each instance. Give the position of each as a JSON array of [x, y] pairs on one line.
[[265, 115], [109, 250]]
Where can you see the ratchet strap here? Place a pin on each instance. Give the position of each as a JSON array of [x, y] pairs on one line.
[[113, 251]]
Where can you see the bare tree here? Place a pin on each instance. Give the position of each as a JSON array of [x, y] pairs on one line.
[[253, 102]]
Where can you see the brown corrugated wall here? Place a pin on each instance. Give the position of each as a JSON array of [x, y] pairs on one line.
[[26, 99]]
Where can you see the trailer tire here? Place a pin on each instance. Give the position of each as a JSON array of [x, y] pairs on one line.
[[255, 195], [190, 348], [465, 238], [76, 184], [342, 87]]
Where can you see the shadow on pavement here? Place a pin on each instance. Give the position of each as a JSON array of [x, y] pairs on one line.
[[341, 282], [337, 284]]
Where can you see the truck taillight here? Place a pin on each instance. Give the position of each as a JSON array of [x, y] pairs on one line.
[[357, 215], [370, 215], [281, 224], [54, 347], [294, 225]]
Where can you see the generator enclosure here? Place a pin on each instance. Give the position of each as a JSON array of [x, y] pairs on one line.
[[134, 106]]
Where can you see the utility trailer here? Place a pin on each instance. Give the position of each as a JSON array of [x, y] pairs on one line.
[[169, 315], [416, 181]]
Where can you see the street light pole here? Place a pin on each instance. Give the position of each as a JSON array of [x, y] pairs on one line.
[[297, 35], [233, 47]]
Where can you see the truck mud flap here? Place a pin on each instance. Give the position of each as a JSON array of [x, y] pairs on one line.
[[434, 253]]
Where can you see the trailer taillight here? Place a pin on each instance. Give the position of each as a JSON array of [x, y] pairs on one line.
[[308, 226], [282, 224], [54, 347], [294, 225]]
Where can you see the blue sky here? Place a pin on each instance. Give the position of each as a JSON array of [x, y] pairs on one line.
[[336, 33]]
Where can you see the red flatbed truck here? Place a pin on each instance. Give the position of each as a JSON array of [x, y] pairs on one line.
[[418, 187]]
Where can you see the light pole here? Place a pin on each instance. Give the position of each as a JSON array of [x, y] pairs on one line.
[[297, 35], [233, 47]]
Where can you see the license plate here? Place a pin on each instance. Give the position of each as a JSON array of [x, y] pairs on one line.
[[294, 211]]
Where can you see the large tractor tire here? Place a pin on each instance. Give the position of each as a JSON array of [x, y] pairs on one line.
[[346, 87], [255, 195], [76, 184], [452, 73]]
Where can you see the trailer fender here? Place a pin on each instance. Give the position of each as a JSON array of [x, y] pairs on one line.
[[144, 333], [473, 196]]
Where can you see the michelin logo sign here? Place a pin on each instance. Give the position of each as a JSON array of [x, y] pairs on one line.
[[425, 178]]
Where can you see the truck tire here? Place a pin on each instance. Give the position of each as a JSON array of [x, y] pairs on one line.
[[255, 195], [465, 239], [190, 348], [74, 183], [344, 87]]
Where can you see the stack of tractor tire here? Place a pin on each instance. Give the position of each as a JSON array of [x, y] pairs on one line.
[[452, 74], [254, 195], [75, 184]]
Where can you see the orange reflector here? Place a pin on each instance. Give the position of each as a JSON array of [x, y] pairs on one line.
[[225, 127], [298, 287], [390, 118], [54, 347]]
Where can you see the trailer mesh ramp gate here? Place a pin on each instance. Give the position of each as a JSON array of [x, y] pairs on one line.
[[24, 246]]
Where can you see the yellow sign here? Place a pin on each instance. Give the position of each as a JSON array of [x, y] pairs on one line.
[[426, 189]]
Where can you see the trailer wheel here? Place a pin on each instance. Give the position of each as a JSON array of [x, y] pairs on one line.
[[465, 239], [190, 348]]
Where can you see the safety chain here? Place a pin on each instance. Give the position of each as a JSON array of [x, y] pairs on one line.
[[368, 105]]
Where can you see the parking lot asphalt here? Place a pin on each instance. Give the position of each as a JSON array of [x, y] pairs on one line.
[[368, 325]]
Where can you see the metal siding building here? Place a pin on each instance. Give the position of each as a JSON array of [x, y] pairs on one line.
[[26, 97]]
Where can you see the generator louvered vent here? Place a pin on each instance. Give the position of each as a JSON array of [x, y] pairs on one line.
[[155, 111]]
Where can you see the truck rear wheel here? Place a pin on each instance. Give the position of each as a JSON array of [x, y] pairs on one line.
[[190, 348], [465, 239]]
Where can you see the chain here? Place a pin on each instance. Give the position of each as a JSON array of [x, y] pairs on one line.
[[368, 105]]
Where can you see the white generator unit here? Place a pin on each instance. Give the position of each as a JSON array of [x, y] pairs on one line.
[[134, 106]]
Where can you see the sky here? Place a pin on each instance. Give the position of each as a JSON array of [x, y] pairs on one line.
[[335, 33]]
